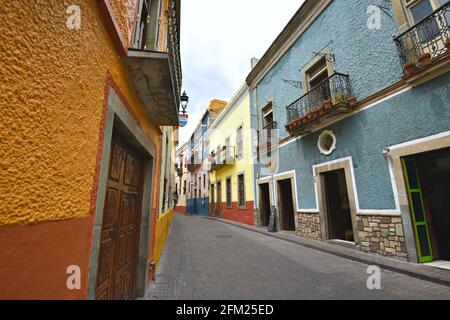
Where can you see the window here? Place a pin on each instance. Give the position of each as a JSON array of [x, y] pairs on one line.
[[184, 187], [204, 181], [240, 143], [241, 191], [227, 149], [419, 10], [268, 115], [317, 73], [229, 194]]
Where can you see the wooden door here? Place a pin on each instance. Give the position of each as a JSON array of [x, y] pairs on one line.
[[120, 231], [219, 199]]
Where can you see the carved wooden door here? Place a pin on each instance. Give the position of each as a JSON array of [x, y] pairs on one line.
[[120, 232]]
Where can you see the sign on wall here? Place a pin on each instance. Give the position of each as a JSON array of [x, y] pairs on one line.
[[183, 120]]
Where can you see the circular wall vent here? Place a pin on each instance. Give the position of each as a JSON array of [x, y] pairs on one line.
[[327, 142]]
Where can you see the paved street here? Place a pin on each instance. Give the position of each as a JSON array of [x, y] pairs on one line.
[[206, 259]]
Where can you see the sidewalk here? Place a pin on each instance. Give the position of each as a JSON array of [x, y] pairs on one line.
[[432, 274]]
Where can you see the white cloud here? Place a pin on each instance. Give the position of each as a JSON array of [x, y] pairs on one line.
[[218, 39]]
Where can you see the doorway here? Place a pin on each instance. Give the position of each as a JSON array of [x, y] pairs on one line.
[[427, 178], [340, 226], [117, 266], [212, 209], [219, 199], [286, 205], [264, 204]]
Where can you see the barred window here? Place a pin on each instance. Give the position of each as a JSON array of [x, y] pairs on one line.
[[241, 191], [229, 194]]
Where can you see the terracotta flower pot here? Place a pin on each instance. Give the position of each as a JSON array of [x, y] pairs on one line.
[[328, 104], [410, 68], [321, 111], [352, 102], [425, 59], [310, 115], [304, 120]]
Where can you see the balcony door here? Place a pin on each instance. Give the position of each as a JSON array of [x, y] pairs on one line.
[[317, 85], [430, 33]]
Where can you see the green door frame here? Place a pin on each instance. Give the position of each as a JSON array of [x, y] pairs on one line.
[[414, 188]]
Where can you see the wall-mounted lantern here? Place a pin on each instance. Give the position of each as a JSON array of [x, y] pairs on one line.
[[184, 117]]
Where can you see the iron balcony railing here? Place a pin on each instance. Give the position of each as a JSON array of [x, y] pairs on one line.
[[336, 88], [224, 156], [429, 36], [172, 49], [265, 136]]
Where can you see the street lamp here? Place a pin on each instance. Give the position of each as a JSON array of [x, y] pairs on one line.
[[184, 102]]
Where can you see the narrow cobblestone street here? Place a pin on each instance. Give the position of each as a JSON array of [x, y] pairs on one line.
[[206, 259]]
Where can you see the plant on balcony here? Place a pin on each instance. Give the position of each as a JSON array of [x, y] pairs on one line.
[[322, 110], [339, 98], [425, 59], [304, 119], [352, 102], [410, 68]]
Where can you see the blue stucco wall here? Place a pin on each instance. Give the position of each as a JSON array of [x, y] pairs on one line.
[[371, 60], [414, 114], [369, 57], [198, 206]]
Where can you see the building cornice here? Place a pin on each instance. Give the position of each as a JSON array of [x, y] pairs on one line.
[[300, 22], [234, 103]]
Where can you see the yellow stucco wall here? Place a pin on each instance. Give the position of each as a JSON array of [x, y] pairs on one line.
[[51, 97], [226, 127], [163, 224]]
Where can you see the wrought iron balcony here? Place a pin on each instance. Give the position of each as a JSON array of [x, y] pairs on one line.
[[330, 97], [265, 136], [195, 162], [154, 66], [225, 156], [429, 38]]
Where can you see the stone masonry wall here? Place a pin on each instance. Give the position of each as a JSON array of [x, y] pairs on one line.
[[308, 226], [382, 235]]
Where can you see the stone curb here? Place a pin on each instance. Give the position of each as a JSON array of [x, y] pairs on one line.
[[428, 273]]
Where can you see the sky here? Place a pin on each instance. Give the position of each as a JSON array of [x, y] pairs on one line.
[[218, 40]]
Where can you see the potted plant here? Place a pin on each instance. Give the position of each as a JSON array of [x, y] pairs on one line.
[[304, 119], [410, 68], [339, 98], [321, 111], [425, 59], [352, 102], [328, 104]]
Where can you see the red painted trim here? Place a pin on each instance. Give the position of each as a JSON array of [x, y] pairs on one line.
[[245, 216], [113, 27], [181, 209]]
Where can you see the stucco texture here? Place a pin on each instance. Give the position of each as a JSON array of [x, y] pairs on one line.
[[51, 102], [370, 58]]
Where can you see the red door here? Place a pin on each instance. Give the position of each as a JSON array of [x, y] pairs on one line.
[[120, 232]]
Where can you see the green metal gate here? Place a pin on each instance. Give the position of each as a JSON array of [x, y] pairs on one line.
[[418, 213]]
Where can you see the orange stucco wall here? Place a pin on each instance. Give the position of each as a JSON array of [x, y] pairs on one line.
[[52, 93]]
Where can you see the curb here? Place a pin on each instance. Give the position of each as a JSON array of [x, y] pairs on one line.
[[427, 273]]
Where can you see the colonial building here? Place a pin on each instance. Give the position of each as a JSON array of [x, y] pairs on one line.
[[181, 177], [364, 151], [231, 165], [198, 155], [89, 96]]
